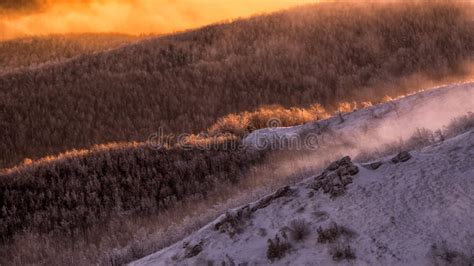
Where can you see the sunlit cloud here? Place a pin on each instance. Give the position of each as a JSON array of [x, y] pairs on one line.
[[33, 17]]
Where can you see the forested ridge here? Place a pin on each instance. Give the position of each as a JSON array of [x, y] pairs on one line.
[[22, 53], [78, 197], [314, 54], [70, 194]]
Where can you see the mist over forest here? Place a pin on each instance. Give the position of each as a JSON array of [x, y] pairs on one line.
[[80, 182]]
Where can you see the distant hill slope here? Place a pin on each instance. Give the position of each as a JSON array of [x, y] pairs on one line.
[[319, 53], [415, 212], [21, 53]]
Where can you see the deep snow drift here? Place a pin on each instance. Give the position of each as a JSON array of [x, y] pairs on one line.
[[415, 210]]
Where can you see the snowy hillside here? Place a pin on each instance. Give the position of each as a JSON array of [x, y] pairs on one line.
[[397, 119], [416, 212], [409, 208]]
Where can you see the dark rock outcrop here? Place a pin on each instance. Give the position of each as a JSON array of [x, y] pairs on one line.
[[401, 157], [233, 222], [336, 177], [373, 166]]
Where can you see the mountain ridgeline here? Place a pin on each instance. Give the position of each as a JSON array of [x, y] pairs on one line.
[[22, 53], [322, 53]]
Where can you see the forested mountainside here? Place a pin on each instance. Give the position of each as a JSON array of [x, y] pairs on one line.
[[322, 53], [21, 53], [116, 203]]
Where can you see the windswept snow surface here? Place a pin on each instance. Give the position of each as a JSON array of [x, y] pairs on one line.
[[431, 109], [418, 212]]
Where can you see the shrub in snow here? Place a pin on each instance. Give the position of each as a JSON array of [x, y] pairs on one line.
[[333, 232], [441, 254], [460, 124], [277, 249], [343, 253], [299, 229]]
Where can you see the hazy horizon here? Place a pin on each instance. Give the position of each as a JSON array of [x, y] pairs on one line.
[[43, 17]]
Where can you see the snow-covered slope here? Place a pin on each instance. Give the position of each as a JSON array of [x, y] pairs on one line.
[[417, 212], [394, 120]]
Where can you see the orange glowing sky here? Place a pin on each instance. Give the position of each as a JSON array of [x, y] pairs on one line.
[[128, 16]]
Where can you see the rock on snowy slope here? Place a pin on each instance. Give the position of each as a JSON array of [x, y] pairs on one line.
[[418, 211]]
